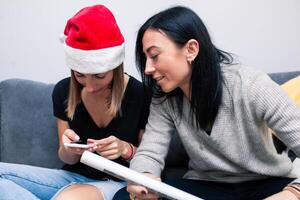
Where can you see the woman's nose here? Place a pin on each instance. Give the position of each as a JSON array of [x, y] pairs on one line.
[[149, 69], [89, 86]]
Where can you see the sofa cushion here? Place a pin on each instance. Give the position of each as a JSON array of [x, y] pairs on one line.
[[28, 129]]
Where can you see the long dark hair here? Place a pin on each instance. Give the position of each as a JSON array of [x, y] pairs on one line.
[[181, 24]]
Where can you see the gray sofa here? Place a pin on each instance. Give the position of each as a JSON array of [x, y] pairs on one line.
[[28, 132]]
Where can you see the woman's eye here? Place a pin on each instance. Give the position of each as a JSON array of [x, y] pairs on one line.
[[154, 57], [100, 76], [79, 75]]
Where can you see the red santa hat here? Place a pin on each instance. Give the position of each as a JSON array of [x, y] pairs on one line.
[[93, 42]]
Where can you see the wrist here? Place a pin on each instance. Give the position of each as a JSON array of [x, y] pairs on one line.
[[293, 189], [129, 153], [289, 195], [67, 157], [126, 149]]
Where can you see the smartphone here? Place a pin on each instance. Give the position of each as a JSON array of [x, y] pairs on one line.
[[78, 144]]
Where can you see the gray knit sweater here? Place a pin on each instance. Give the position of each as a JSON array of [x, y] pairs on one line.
[[240, 147]]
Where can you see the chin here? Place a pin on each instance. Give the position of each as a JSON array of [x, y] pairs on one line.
[[167, 89], [96, 92]]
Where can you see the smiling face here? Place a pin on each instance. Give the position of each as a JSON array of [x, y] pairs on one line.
[[95, 84], [166, 62]]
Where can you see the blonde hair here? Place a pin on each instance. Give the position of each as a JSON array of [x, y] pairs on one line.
[[115, 100]]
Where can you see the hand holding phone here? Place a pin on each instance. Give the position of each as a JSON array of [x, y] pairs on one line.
[[78, 144]]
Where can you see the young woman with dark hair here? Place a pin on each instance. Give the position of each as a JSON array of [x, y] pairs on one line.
[[221, 111]]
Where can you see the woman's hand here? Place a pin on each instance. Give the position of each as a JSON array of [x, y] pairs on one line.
[[70, 136], [140, 192], [110, 147], [286, 195]]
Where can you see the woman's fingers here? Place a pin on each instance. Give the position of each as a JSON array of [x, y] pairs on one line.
[[75, 150], [150, 195], [136, 189], [71, 135], [110, 147], [104, 141], [110, 154], [140, 192]]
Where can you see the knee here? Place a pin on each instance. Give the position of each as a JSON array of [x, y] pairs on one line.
[[80, 192]]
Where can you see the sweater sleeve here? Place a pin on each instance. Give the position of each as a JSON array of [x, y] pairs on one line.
[[274, 106], [151, 153]]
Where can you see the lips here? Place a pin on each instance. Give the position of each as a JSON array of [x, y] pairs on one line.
[[96, 91], [159, 78]]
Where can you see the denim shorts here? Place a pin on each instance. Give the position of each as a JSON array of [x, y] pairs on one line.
[[31, 183]]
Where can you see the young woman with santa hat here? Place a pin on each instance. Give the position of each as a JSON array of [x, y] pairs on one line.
[[99, 105]]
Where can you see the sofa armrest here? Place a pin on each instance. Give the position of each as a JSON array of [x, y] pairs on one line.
[[28, 132]]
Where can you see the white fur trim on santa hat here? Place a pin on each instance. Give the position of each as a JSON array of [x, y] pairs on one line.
[[94, 61]]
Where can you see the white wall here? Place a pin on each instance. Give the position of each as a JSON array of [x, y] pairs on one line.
[[265, 34]]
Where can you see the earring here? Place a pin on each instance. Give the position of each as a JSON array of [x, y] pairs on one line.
[[190, 61]]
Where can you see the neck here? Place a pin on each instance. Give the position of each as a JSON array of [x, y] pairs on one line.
[[186, 90], [106, 93]]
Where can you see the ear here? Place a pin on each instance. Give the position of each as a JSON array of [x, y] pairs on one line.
[[192, 50]]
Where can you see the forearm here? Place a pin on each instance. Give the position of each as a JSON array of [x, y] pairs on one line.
[[67, 157], [151, 153]]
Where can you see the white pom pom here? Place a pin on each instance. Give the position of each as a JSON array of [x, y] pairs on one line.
[[62, 38]]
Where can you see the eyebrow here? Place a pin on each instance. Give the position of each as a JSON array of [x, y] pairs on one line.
[[75, 72], [100, 74], [150, 48]]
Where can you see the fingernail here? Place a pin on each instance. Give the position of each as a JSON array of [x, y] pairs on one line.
[[77, 137]]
